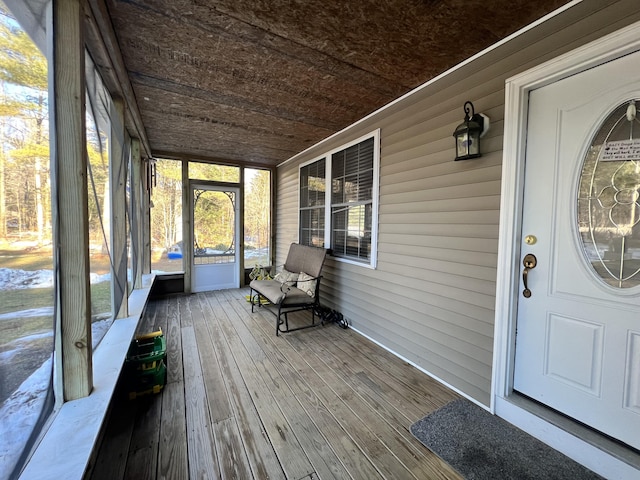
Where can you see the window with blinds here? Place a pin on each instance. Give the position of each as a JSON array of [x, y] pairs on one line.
[[345, 220], [352, 201], [312, 203]]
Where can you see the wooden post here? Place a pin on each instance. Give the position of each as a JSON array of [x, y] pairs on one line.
[[240, 223], [272, 223], [118, 183], [72, 225], [137, 197], [187, 227], [146, 208]]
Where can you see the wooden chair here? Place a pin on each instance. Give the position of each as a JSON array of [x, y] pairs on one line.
[[296, 288]]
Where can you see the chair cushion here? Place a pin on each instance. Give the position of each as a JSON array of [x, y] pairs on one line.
[[295, 296], [271, 290], [307, 283], [285, 276]]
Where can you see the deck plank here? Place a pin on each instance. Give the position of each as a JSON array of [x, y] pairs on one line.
[[172, 455], [231, 454], [203, 462], [367, 399], [326, 352], [351, 440], [175, 369], [392, 434], [241, 402], [291, 455], [261, 455], [372, 430], [325, 460], [143, 449], [381, 361]]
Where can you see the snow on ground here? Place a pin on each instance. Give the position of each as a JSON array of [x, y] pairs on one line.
[[13, 348], [19, 412], [15, 279], [29, 313]]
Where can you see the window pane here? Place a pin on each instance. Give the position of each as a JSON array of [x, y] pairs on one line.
[[98, 125], [257, 217], [312, 227], [166, 217], [131, 258], [365, 185], [312, 201], [339, 242], [351, 160], [608, 201], [135, 203], [352, 201], [214, 173], [337, 190], [352, 173], [351, 188], [351, 232], [26, 265], [317, 188], [312, 184], [214, 226]]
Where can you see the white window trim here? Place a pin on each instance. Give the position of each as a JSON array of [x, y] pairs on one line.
[[326, 218], [375, 197]]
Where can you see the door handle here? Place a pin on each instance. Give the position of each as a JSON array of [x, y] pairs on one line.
[[530, 261]]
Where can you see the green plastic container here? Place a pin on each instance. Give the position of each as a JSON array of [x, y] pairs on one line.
[[148, 382], [145, 366]]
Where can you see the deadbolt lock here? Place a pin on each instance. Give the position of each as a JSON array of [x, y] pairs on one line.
[[530, 239]]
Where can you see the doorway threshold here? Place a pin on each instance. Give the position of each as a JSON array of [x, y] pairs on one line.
[[609, 445]]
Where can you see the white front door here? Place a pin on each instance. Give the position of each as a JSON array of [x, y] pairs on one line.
[[578, 333], [215, 259]]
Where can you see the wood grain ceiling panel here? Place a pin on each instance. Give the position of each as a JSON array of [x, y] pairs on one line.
[[260, 80], [221, 128]]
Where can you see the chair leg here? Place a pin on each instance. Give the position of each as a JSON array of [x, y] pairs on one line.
[[251, 298]]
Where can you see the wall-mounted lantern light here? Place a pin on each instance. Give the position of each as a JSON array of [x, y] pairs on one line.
[[469, 132]]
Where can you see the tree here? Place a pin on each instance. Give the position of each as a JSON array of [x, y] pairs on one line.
[[23, 107], [257, 208], [166, 215]]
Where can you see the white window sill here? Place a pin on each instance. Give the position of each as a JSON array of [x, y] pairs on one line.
[[370, 265], [66, 447]]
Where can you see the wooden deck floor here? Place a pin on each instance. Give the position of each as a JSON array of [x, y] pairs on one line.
[[242, 403]]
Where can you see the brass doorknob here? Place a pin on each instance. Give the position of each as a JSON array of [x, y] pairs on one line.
[[530, 261]]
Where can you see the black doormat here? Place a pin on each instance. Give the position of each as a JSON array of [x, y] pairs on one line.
[[483, 446]]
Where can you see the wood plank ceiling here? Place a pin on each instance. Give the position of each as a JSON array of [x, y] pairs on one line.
[[257, 81]]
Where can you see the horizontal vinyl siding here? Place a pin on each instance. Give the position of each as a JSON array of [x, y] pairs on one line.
[[431, 298]]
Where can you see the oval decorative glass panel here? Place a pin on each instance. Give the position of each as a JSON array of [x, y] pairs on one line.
[[609, 200]]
